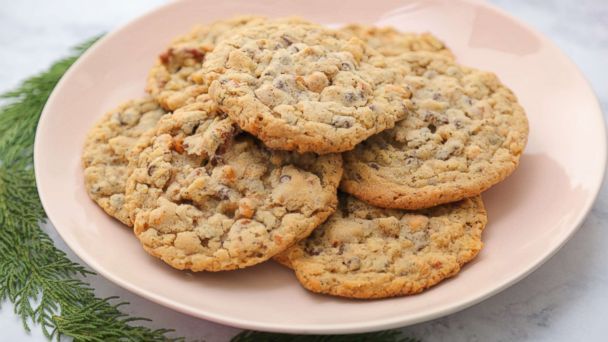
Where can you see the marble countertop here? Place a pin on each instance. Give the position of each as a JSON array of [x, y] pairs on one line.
[[566, 299]]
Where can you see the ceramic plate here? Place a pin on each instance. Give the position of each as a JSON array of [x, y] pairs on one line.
[[532, 214]]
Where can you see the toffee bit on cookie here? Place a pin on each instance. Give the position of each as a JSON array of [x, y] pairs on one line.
[[178, 145], [165, 56], [198, 55]]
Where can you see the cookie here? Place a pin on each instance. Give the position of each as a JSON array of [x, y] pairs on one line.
[[169, 80], [391, 42], [301, 87], [282, 259], [365, 252], [465, 132], [205, 197], [104, 157]]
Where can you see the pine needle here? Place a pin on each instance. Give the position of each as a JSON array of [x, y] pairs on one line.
[[381, 336]]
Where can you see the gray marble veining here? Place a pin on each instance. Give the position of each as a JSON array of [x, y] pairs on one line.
[[564, 300]]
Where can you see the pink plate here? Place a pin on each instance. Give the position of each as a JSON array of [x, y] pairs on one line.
[[532, 214]]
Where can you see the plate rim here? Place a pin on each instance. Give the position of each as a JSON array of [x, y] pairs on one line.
[[335, 328]]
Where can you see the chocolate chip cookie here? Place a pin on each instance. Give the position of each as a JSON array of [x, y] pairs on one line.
[[205, 197], [107, 145], [169, 80], [301, 87], [465, 132], [391, 42], [365, 252]]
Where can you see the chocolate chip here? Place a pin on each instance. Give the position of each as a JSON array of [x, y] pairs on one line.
[[312, 250], [410, 161], [495, 140], [216, 160], [350, 97], [223, 147], [345, 66], [287, 39], [184, 201], [204, 242], [432, 128], [280, 84], [223, 193], [353, 263], [284, 179], [374, 166], [195, 127], [435, 118], [120, 120], [339, 121]]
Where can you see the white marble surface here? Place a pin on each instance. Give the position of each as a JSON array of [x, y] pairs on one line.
[[564, 300]]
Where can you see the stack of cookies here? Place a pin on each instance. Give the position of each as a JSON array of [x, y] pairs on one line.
[[356, 157]]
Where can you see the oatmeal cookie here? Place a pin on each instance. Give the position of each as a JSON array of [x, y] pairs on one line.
[[391, 42], [301, 87], [169, 80], [104, 157], [465, 132], [205, 197], [366, 252]]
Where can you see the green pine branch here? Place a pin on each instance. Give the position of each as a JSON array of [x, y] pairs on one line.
[[44, 286], [381, 336]]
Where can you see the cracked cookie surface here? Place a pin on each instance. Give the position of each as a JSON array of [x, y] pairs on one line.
[[365, 252], [299, 86], [390, 42], [169, 79], [105, 153], [464, 132], [206, 197]]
